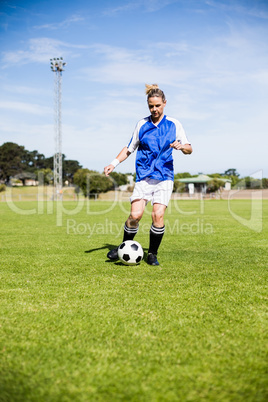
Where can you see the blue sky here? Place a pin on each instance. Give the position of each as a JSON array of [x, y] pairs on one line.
[[210, 58]]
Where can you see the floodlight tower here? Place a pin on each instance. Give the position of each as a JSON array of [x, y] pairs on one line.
[[56, 66]]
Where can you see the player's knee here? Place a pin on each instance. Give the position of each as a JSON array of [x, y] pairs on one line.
[[133, 219], [158, 218]]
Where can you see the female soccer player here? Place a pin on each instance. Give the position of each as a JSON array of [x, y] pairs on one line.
[[154, 137]]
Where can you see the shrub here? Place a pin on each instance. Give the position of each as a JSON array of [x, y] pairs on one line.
[[2, 187]]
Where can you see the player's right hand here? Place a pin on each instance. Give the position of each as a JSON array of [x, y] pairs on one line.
[[108, 169]]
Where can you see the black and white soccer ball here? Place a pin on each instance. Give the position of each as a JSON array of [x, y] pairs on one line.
[[130, 252]]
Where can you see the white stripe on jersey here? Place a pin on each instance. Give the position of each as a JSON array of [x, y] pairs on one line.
[[180, 133], [134, 142]]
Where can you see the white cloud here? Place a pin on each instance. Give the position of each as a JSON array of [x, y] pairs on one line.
[[32, 136], [120, 65], [62, 24], [40, 50], [155, 5], [261, 77], [236, 7], [135, 73], [221, 60], [25, 107], [25, 90], [144, 5]]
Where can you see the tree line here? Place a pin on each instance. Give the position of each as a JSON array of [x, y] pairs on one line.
[[216, 183], [17, 162]]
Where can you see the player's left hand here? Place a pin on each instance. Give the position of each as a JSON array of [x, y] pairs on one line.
[[176, 145]]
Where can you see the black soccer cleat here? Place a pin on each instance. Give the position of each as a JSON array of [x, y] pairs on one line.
[[113, 254], [152, 259]]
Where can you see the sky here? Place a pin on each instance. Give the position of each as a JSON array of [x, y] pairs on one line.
[[209, 57]]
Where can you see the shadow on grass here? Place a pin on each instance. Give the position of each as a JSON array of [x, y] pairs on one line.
[[111, 247], [14, 387], [106, 246]]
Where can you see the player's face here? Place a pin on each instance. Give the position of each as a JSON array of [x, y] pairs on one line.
[[156, 107]]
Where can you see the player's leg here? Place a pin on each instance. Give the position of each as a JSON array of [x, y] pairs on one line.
[[156, 232], [131, 225], [161, 197]]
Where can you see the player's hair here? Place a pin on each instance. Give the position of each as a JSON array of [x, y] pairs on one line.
[[154, 90]]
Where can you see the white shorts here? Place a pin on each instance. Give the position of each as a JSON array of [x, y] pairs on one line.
[[156, 191]]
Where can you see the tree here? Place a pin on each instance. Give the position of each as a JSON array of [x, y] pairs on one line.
[[69, 167], [178, 187], [46, 176], [92, 182], [119, 178], [250, 182], [35, 160], [49, 163], [214, 185], [233, 175], [264, 183], [231, 172], [16, 160], [215, 175], [182, 175], [13, 159]]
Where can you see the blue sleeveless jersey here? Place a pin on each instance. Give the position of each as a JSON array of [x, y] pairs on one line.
[[154, 156]]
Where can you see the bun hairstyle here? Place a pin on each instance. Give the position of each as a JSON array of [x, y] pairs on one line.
[[153, 90]]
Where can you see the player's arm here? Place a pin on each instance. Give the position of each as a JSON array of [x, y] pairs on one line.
[[181, 143], [185, 148], [123, 155]]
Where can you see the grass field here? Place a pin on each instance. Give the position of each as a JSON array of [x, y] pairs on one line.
[[76, 327]]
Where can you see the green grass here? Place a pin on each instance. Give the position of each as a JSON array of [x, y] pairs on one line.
[[76, 327]]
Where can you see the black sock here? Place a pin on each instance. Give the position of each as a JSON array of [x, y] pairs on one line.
[[129, 233], [156, 235]]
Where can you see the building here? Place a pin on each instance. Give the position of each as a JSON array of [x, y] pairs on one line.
[[199, 184]]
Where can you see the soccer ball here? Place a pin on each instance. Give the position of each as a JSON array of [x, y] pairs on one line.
[[130, 252]]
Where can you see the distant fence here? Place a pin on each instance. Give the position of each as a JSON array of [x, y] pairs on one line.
[[70, 195]]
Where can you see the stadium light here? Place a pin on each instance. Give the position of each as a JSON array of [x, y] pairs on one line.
[[56, 65]]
